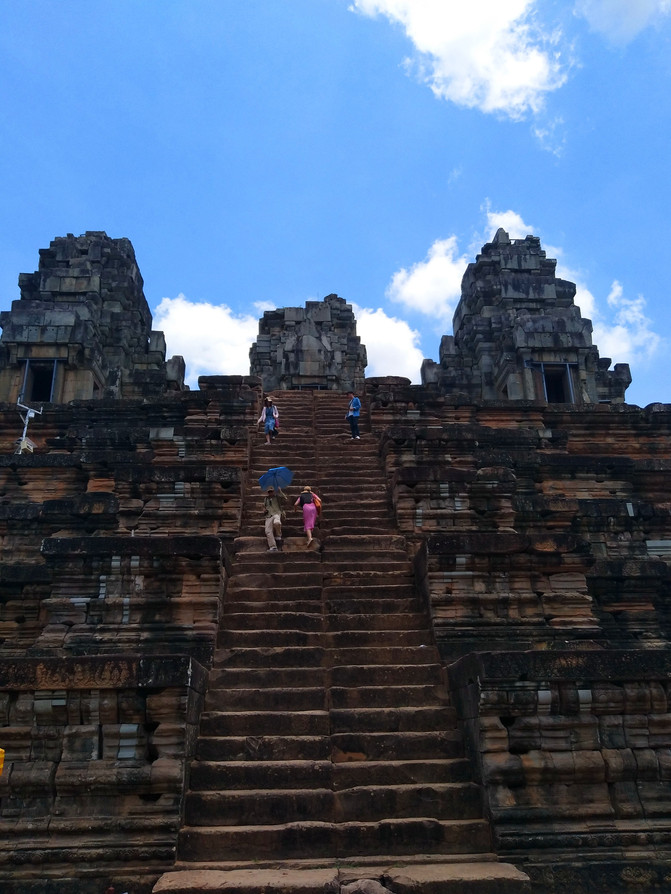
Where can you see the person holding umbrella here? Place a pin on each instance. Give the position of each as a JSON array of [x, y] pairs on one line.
[[273, 507], [271, 481]]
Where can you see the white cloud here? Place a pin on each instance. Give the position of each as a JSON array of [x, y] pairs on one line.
[[431, 286], [212, 339], [392, 346], [628, 337], [215, 341], [511, 221], [550, 136], [621, 329], [484, 54], [619, 21]]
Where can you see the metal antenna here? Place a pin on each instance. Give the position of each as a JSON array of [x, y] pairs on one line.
[[24, 444]]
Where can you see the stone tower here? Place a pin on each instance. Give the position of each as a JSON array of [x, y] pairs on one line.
[[82, 328], [314, 347], [518, 335]]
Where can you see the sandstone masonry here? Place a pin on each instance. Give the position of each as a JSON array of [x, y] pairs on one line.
[[465, 687]]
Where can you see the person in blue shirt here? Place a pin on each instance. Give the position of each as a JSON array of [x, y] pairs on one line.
[[353, 414]]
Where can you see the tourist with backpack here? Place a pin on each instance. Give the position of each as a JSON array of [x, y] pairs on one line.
[[273, 508], [270, 418]]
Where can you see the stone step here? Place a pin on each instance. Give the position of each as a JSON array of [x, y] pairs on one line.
[[365, 557], [297, 554], [331, 430], [310, 470], [319, 839], [289, 656], [236, 621], [360, 545], [387, 696], [367, 493], [328, 525], [408, 745], [316, 656], [263, 748], [402, 745], [345, 512], [393, 719], [267, 676], [348, 542], [257, 723], [353, 503], [332, 524], [351, 774], [361, 485], [352, 676], [374, 599], [346, 747], [307, 698], [354, 523], [267, 699], [294, 597], [474, 875], [211, 809], [389, 621], [399, 655], [250, 774], [359, 578], [386, 675], [235, 639], [224, 776], [259, 580], [256, 555], [450, 800], [293, 449], [341, 747], [283, 619]]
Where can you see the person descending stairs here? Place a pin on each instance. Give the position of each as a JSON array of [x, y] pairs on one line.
[[328, 750]]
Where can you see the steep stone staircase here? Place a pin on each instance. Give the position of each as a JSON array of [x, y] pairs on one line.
[[328, 750]]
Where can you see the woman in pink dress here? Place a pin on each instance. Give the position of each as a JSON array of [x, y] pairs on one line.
[[306, 501]]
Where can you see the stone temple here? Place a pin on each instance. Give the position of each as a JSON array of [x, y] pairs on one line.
[[463, 687]]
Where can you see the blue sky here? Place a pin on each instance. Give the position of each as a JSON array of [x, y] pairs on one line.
[[262, 153]]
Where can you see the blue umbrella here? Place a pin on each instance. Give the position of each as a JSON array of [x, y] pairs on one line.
[[277, 477]]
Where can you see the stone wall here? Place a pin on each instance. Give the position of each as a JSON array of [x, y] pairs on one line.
[[82, 328], [540, 530], [96, 756], [115, 539], [574, 751], [315, 346], [542, 539], [518, 334]]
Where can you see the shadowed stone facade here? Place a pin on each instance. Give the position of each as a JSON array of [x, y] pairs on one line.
[[466, 686], [519, 335], [315, 346], [82, 328]]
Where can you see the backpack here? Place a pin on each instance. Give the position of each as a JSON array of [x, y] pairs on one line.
[[318, 503]]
